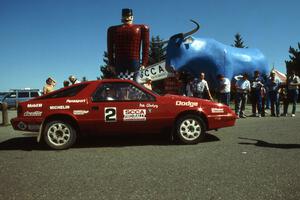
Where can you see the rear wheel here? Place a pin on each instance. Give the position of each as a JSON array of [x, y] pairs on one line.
[[59, 134], [190, 129]]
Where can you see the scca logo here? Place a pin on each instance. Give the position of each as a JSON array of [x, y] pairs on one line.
[[135, 111], [186, 103]]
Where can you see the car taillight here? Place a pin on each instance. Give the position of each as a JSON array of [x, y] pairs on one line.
[[19, 111]]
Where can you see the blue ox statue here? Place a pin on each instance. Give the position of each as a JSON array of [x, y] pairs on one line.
[[196, 55]]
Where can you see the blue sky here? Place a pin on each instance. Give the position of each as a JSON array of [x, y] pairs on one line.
[[41, 38]]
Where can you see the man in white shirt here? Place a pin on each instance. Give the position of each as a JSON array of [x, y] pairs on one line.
[[293, 83], [202, 89], [242, 90], [224, 89]]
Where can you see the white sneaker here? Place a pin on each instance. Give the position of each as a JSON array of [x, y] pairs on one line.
[[293, 115]]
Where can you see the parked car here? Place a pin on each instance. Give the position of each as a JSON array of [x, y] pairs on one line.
[[16, 96], [118, 106]]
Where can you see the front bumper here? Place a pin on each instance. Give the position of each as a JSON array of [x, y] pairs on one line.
[[221, 121]]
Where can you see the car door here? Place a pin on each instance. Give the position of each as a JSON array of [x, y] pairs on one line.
[[124, 107]]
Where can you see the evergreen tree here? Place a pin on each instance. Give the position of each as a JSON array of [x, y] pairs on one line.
[[157, 51], [294, 63], [238, 42], [106, 70]]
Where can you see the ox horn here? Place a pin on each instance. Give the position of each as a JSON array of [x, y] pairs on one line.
[[192, 31], [183, 34]]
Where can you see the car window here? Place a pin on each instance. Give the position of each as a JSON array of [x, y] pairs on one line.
[[12, 95], [68, 92], [23, 94], [34, 94], [120, 92]]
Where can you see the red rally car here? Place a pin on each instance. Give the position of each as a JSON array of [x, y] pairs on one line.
[[118, 106]]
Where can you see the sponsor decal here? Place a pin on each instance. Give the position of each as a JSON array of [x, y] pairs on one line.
[[35, 105], [110, 114], [61, 107], [217, 110], [187, 103], [80, 112], [148, 105], [75, 100], [134, 115], [33, 114]]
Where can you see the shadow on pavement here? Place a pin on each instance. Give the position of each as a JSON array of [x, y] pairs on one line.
[[29, 143], [261, 143]]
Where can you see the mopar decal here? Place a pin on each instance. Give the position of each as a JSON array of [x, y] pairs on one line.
[[110, 114]]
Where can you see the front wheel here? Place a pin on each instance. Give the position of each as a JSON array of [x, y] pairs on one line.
[[190, 129], [59, 134]]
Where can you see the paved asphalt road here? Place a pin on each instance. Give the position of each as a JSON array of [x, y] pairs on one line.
[[257, 159]]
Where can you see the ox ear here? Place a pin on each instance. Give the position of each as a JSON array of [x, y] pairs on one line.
[[178, 38]]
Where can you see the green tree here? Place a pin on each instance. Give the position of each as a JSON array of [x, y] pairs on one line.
[[238, 41], [294, 63], [106, 69], [157, 50], [157, 53]]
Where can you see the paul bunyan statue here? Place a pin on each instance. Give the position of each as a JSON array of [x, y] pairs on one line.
[[124, 45]]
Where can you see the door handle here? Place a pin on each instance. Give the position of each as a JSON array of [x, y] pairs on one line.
[[95, 108]]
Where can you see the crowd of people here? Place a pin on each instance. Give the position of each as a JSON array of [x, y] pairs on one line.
[[263, 92]]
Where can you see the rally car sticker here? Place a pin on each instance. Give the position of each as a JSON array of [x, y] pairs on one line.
[[80, 112], [110, 114], [33, 114], [134, 115], [186, 103], [36, 105], [148, 105], [217, 110], [75, 100], [60, 107]]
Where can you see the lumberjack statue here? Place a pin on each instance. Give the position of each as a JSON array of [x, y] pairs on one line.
[[124, 46]]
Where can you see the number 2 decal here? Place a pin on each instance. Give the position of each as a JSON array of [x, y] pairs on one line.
[[110, 114]]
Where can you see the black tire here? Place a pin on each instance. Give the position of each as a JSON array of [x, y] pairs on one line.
[[59, 134], [190, 129]]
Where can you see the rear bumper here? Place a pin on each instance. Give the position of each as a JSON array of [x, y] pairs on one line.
[[25, 125]]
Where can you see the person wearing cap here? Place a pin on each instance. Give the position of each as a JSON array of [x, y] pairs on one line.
[[124, 44], [242, 89], [293, 83], [73, 80], [273, 85], [49, 87]]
